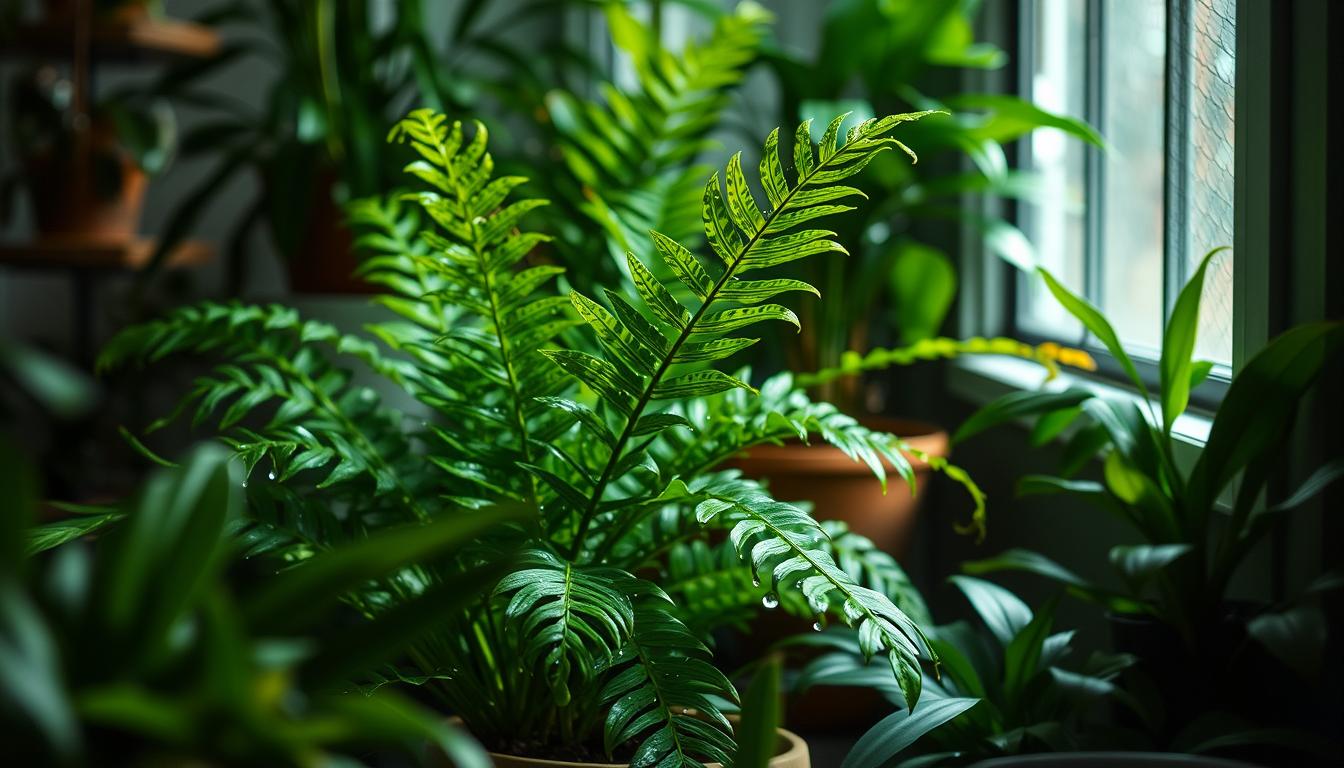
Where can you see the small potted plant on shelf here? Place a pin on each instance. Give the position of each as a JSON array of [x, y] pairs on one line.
[[87, 181], [1203, 650], [604, 420]]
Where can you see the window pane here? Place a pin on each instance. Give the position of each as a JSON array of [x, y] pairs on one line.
[[1209, 185], [1057, 224], [1133, 76]]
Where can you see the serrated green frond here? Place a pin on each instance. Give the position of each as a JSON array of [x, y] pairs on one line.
[[663, 672], [743, 238], [474, 264], [873, 568], [782, 545], [631, 152], [569, 620], [712, 586], [280, 400]]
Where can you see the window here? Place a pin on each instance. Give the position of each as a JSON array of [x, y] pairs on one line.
[[1128, 226]]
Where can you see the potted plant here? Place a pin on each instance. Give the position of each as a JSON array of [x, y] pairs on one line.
[[345, 73], [1006, 687], [579, 654], [897, 285], [134, 650], [87, 181], [1203, 650]]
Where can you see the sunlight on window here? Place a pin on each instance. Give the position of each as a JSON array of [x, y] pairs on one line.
[[1213, 45], [1105, 223], [1057, 222], [1133, 72]]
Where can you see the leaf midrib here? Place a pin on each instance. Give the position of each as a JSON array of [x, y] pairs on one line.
[[710, 298]]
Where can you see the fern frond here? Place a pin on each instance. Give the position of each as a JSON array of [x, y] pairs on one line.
[[712, 586], [475, 261], [875, 569], [782, 545], [661, 692], [743, 239], [632, 152], [281, 377], [1049, 355], [570, 619]]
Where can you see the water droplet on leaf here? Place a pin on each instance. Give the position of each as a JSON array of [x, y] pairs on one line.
[[270, 475], [771, 600], [817, 626]]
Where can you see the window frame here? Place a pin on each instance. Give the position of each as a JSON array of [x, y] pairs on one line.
[[988, 302]]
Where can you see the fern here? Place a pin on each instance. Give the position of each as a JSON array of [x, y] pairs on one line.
[[631, 155], [475, 260], [605, 433], [642, 365], [316, 421], [662, 679]]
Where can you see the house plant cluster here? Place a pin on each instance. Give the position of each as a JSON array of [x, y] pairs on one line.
[[547, 508]]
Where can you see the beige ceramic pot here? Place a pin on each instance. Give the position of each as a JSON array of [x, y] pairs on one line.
[[792, 754], [844, 489]]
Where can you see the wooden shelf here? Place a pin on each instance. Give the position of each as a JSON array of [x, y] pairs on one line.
[[121, 40], [72, 253]]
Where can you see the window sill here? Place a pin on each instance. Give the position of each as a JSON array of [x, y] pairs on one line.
[[982, 379]]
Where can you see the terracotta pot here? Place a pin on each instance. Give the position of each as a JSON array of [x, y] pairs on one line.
[[100, 201], [792, 754], [843, 489], [324, 261]]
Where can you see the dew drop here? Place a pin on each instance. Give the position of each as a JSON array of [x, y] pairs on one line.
[[270, 475], [755, 582], [244, 483], [478, 221], [817, 626], [771, 600]]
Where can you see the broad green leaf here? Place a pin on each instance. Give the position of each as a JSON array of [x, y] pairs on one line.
[[1140, 563], [889, 738], [1256, 411], [756, 733], [1016, 405], [1003, 612], [1178, 344], [1096, 324]]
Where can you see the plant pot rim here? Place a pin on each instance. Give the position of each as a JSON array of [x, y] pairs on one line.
[[821, 458], [794, 755]]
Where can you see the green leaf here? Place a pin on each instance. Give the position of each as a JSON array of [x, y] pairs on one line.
[[1022, 656], [304, 591], [1256, 411], [1318, 481], [1140, 563], [697, 384], [1016, 405], [1032, 562], [1178, 344], [1096, 324], [733, 319], [1003, 612], [757, 734], [885, 741], [922, 284]]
